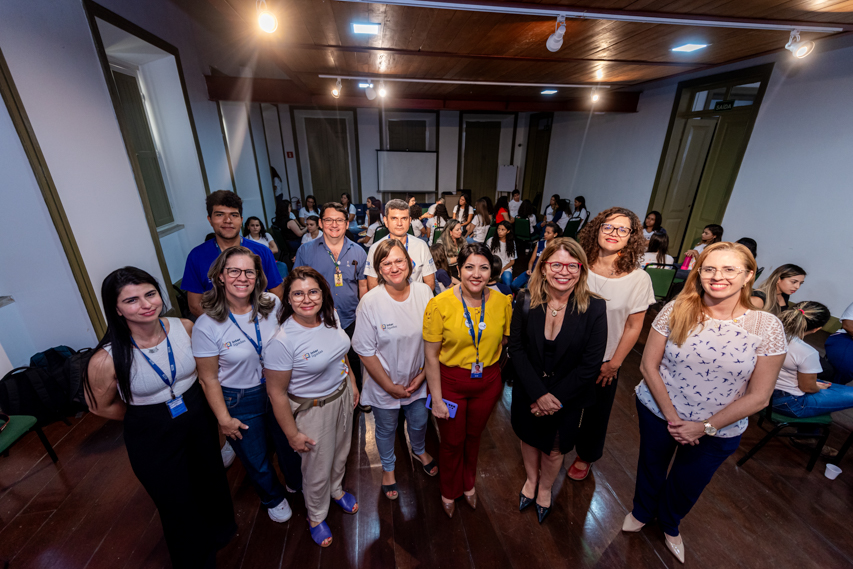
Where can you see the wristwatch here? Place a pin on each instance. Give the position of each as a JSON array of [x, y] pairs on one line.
[[710, 430]]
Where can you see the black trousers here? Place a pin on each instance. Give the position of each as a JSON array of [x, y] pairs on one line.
[[354, 360], [179, 465], [593, 429]]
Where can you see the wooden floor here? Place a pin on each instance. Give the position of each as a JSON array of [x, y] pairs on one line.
[[90, 511]]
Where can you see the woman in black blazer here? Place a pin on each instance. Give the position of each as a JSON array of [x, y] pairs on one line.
[[556, 346]]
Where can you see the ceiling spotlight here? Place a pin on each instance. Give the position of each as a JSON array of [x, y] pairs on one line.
[[599, 74], [370, 92], [336, 92], [549, 91], [382, 92], [555, 40], [595, 96], [266, 19], [800, 49]]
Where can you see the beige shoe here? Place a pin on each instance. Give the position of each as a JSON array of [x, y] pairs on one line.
[[631, 523], [677, 549]]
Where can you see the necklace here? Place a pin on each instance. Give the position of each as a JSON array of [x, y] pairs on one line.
[[554, 311], [155, 349]]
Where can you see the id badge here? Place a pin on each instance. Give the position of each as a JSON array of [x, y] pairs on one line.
[[476, 370], [339, 279], [263, 380], [177, 406]]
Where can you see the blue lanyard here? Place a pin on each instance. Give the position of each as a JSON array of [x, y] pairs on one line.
[[259, 346], [154, 366], [215, 242], [471, 323]]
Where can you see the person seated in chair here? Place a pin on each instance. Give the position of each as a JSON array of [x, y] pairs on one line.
[[839, 348]]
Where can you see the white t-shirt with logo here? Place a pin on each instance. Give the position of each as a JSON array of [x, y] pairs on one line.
[[434, 223], [461, 217], [393, 332], [549, 213], [800, 358], [316, 357], [417, 227], [513, 207], [501, 253], [305, 214], [239, 364], [481, 229], [418, 251]]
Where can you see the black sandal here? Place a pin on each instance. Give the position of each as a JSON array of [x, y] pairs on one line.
[[390, 488], [427, 467]]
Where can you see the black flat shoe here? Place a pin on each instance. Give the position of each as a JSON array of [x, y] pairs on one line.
[[542, 512], [523, 501]]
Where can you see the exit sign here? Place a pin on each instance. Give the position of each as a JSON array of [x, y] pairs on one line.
[[290, 154], [724, 106]]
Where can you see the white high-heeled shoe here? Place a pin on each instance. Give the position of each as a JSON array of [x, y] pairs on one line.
[[632, 524], [677, 549]]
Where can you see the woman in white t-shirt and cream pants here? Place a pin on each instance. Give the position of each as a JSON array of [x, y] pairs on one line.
[[228, 343], [313, 393], [389, 340]]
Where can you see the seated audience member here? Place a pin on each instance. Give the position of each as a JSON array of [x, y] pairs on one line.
[[495, 280], [438, 222], [502, 246], [452, 241], [712, 233], [750, 244], [431, 209], [564, 215], [309, 210], [292, 232], [657, 251], [443, 280], [528, 212], [346, 201], [254, 231], [514, 203], [225, 215], [397, 221], [463, 212], [652, 225], [374, 222], [314, 231], [479, 226], [373, 203], [551, 231], [502, 210], [551, 209], [839, 348], [418, 228], [580, 212], [773, 294]]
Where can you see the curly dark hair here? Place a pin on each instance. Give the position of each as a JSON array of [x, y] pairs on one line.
[[629, 256], [327, 311]]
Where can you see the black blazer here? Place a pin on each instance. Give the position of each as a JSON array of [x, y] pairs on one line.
[[579, 355]]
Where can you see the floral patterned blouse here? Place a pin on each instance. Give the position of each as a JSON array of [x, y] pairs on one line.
[[711, 369]]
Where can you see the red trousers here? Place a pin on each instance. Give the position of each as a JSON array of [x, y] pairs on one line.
[[460, 436]]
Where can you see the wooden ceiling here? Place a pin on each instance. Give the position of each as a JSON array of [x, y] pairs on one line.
[[315, 38]]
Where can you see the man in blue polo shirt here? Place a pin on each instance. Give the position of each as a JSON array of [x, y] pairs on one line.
[[225, 215], [341, 262]]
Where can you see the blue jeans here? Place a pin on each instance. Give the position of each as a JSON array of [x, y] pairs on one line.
[[506, 278], [469, 239], [839, 352], [251, 406], [520, 282], [386, 426], [670, 497], [835, 398]]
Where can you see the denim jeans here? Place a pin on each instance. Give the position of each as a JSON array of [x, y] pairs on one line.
[[835, 398], [506, 278], [386, 426], [520, 282], [839, 352], [251, 406]]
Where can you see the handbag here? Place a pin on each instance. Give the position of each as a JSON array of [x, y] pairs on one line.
[[508, 372]]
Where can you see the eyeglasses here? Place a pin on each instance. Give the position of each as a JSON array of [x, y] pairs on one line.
[[313, 294], [334, 220], [727, 272], [235, 273], [399, 263], [573, 268], [608, 229]]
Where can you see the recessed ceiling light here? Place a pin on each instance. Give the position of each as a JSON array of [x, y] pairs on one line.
[[372, 29], [599, 74], [549, 91], [688, 47]]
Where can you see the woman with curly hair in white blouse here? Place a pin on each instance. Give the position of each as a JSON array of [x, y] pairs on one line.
[[710, 362]]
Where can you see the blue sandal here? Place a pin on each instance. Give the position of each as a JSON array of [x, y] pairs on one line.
[[320, 533], [348, 503]]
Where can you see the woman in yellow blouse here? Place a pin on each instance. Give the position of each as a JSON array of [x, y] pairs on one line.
[[464, 330]]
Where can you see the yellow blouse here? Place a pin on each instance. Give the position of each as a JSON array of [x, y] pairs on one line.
[[444, 321]]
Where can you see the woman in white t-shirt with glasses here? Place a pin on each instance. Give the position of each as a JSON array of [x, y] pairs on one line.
[[313, 393], [613, 243], [228, 344], [389, 340]]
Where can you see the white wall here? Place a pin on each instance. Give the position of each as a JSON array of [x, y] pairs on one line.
[[235, 117], [272, 130], [290, 146], [263, 163], [368, 144], [448, 150]]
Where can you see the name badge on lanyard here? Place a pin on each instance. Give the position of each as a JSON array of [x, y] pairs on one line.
[[259, 345], [176, 405], [339, 277], [477, 366]]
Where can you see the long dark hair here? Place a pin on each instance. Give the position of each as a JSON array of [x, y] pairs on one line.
[[247, 233], [583, 203], [510, 239], [526, 209], [467, 208], [327, 310], [716, 231], [118, 333], [501, 203], [659, 243], [313, 199]]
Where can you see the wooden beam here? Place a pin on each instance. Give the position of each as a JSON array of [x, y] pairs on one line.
[[282, 91]]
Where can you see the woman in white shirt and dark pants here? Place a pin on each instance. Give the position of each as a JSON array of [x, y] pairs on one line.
[[313, 393], [230, 337], [143, 372], [389, 340]]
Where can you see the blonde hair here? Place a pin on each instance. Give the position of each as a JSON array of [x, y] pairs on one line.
[[804, 317], [538, 287], [214, 301], [688, 311], [383, 250]]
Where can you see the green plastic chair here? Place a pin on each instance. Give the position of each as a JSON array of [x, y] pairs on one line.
[[662, 276], [380, 233], [781, 422], [14, 430], [493, 229], [410, 231], [571, 230], [437, 235], [521, 227]]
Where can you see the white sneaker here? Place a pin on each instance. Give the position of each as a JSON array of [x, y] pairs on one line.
[[228, 454], [280, 513]]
